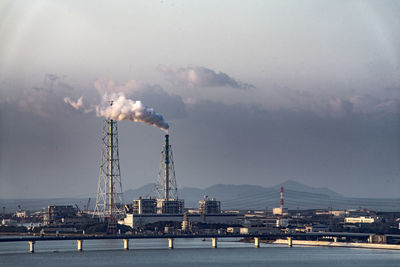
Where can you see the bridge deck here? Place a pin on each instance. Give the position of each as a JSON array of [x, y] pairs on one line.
[[267, 236]]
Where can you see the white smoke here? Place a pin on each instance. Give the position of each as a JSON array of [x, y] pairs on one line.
[[118, 107], [78, 104], [115, 105]]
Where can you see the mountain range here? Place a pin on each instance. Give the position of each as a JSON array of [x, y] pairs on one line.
[[296, 195]]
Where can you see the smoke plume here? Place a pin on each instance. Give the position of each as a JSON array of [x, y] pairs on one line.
[[118, 107]]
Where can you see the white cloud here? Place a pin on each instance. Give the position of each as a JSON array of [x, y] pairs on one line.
[[78, 104], [197, 76]]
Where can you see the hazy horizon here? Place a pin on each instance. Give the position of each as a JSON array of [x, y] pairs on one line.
[[255, 92]]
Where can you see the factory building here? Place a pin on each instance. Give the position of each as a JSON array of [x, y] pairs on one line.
[[155, 206], [317, 228], [173, 210], [209, 206], [167, 206], [56, 213], [170, 206], [280, 211], [186, 223], [22, 214], [282, 222], [361, 219], [144, 206], [136, 220]]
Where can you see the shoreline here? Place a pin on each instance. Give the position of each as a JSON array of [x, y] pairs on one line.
[[336, 244]]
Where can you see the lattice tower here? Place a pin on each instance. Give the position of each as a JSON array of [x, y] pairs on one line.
[[166, 187], [109, 202]]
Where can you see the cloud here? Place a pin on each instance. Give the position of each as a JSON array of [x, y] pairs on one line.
[[242, 138], [303, 145], [197, 76], [78, 104], [333, 107], [387, 102], [53, 81], [361, 104], [111, 87], [52, 77], [42, 97], [336, 105], [46, 97]]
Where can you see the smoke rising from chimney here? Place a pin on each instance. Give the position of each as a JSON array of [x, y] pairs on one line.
[[123, 108]]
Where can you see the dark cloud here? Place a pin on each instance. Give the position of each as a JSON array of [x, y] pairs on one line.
[[197, 76], [52, 81], [345, 104], [45, 98], [54, 95], [44, 151], [354, 153], [171, 105]]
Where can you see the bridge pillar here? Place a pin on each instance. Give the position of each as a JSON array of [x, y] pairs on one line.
[[170, 243], [290, 241], [370, 239], [31, 246], [335, 239], [256, 242], [214, 242], [80, 244], [126, 244]]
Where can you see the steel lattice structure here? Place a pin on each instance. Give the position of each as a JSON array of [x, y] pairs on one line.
[[166, 187], [109, 202]]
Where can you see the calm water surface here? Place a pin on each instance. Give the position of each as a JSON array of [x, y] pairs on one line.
[[188, 252]]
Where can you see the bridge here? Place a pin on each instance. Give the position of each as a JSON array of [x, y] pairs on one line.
[[31, 240]]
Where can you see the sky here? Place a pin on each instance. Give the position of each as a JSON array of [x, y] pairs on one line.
[[254, 92]]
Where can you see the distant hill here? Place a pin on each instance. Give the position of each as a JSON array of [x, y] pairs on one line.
[[297, 196], [296, 186], [144, 191]]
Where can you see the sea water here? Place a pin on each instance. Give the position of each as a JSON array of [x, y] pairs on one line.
[[188, 252]]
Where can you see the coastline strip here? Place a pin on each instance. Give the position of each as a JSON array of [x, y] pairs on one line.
[[338, 244]]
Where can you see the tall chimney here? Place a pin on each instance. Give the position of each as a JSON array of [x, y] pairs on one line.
[[282, 201], [166, 168]]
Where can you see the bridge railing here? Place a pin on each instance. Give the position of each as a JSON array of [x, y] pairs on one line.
[[214, 237]]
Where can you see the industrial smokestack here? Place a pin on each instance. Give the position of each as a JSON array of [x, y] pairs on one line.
[[282, 201], [166, 188], [166, 167]]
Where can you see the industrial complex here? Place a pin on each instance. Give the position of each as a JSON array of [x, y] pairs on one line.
[[163, 206], [165, 213]]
